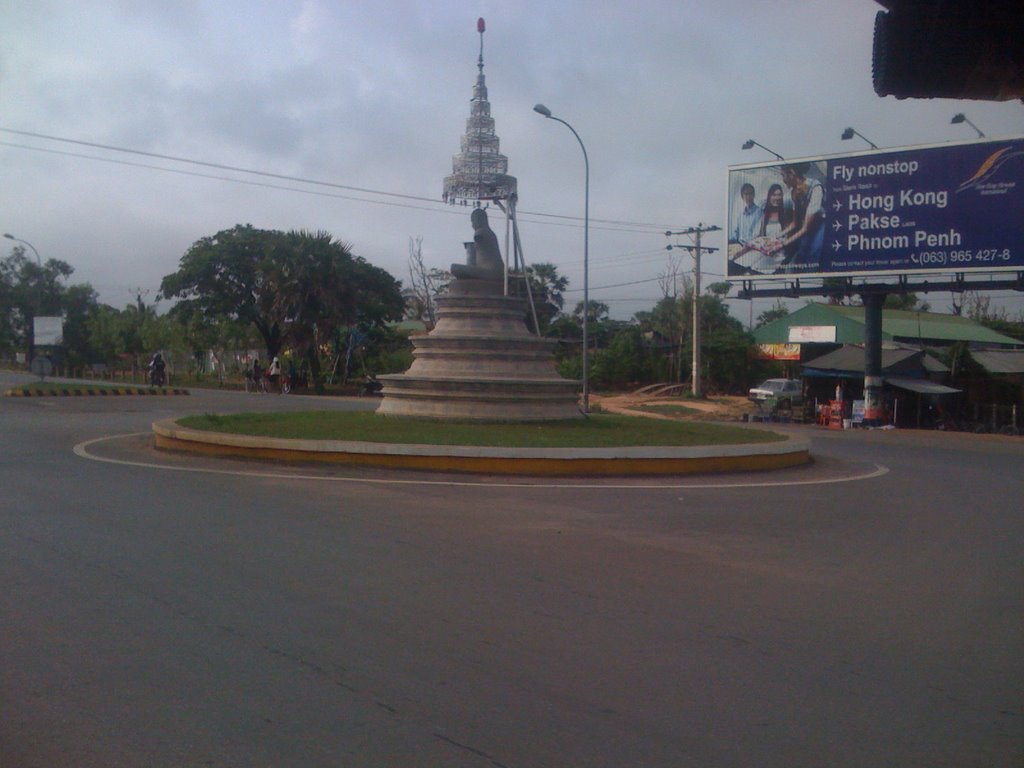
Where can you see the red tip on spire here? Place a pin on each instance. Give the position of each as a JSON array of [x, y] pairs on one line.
[[480, 25]]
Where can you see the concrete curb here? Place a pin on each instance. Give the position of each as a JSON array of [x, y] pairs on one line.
[[637, 460], [99, 392]]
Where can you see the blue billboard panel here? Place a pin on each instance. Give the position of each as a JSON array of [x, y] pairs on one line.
[[948, 208]]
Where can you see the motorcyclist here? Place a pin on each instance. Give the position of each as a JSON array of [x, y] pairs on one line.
[[371, 386], [156, 370]]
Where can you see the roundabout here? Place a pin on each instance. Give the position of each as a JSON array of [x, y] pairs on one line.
[[138, 450], [578, 461]]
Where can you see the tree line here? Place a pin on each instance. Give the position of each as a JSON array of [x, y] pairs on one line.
[[240, 289], [306, 297]]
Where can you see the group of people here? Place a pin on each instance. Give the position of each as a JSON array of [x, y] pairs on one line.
[[772, 237], [264, 379]]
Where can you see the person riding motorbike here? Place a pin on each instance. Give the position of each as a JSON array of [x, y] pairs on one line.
[[156, 370]]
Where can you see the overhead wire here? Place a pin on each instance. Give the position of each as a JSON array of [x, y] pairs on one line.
[[435, 205], [627, 226]]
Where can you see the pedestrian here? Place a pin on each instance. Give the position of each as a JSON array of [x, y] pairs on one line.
[[274, 374], [257, 374]]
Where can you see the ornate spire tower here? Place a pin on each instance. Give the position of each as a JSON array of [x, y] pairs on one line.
[[479, 171], [480, 362]]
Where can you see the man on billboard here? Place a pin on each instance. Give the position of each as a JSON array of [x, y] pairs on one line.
[[748, 224], [807, 233]]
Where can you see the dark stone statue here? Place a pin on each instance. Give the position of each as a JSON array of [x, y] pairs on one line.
[[483, 257]]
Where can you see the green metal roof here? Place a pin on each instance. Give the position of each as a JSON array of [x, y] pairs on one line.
[[896, 325]]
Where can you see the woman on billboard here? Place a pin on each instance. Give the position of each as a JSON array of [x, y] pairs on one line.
[[761, 254]]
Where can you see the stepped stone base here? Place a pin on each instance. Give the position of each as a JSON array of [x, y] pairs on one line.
[[480, 363]]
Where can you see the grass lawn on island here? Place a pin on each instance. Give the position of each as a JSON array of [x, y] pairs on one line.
[[596, 431]]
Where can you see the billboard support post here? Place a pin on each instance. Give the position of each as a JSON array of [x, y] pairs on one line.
[[874, 415], [695, 387]]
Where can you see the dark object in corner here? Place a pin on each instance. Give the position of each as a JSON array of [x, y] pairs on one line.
[[949, 49]]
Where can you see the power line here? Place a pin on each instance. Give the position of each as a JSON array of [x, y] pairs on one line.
[[285, 177], [438, 207], [616, 285], [204, 163], [631, 258], [263, 184]]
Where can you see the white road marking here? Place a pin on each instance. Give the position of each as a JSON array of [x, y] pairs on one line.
[[82, 450]]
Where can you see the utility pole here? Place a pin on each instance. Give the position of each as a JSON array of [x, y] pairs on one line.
[[695, 249]]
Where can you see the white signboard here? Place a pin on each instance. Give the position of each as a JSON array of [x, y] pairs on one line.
[[807, 334], [48, 331]]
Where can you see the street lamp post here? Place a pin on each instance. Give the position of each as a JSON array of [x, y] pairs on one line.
[[849, 133], [9, 236], [960, 117], [30, 331], [542, 110], [750, 144]]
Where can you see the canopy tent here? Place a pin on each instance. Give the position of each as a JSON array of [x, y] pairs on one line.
[[847, 362], [921, 386]]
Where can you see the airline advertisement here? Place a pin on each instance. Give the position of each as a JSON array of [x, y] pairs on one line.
[[946, 208]]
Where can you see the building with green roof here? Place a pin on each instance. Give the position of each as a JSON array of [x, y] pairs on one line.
[[834, 324]]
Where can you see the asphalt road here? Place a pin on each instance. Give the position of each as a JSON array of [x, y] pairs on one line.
[[865, 611]]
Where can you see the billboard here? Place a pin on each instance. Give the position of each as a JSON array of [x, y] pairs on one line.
[[779, 351], [48, 331], [941, 208]]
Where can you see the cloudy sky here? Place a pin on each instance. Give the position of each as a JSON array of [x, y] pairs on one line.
[[370, 99]]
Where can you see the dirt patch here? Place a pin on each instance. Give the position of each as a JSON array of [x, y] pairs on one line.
[[715, 408]]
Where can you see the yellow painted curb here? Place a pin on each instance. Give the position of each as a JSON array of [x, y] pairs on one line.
[[590, 462], [99, 392]]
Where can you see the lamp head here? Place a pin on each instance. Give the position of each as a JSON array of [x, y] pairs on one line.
[[847, 134], [748, 144], [540, 109], [958, 118], [9, 236]]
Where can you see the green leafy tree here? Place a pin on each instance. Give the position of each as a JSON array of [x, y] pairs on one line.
[[387, 350], [626, 361], [220, 339], [234, 274], [79, 303], [906, 301], [546, 287], [298, 288], [777, 312], [30, 289], [669, 325], [721, 289], [331, 291], [978, 308], [105, 337], [596, 312], [9, 314], [135, 333], [725, 346]]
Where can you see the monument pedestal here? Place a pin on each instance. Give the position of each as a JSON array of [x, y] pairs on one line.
[[480, 363]]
